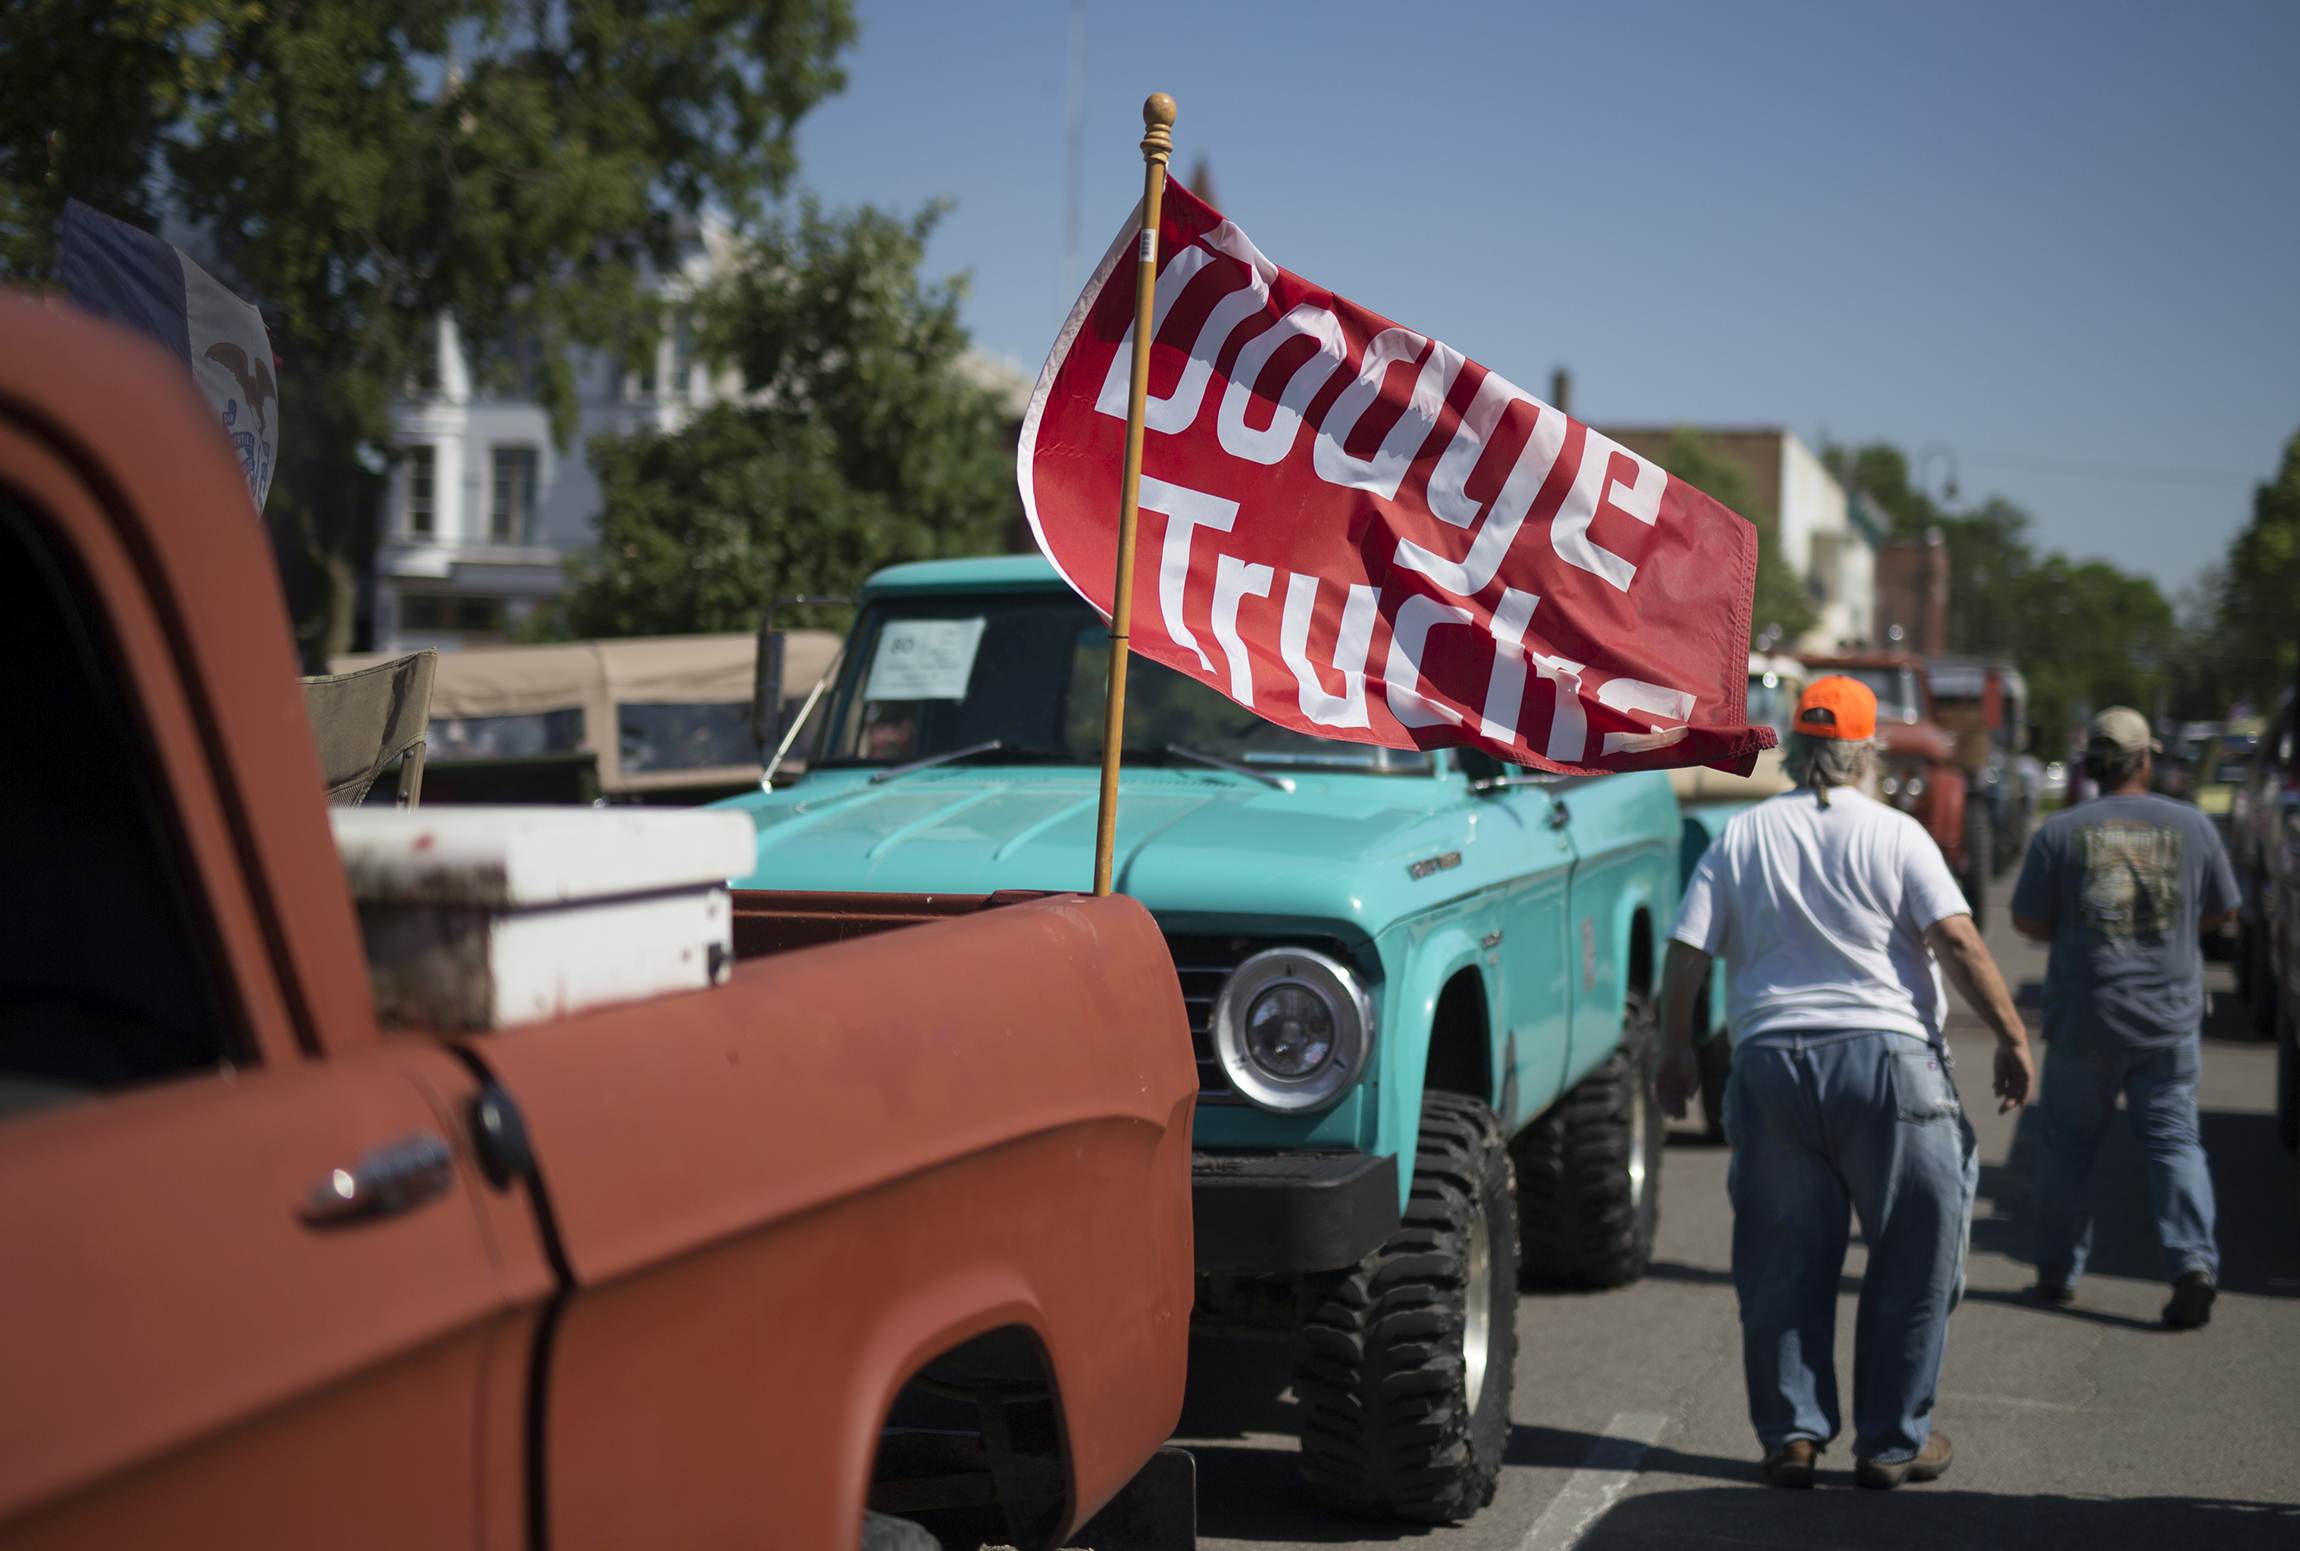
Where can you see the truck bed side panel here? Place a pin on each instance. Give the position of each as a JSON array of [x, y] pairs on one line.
[[778, 1197]]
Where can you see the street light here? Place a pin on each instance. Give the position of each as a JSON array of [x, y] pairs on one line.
[[1924, 457]]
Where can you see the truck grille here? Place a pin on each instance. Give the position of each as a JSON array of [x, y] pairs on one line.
[[1202, 964]]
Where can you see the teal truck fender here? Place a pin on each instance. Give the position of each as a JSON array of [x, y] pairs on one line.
[[1448, 957], [1625, 884]]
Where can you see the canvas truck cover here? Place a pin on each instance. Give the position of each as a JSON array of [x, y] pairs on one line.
[[596, 677]]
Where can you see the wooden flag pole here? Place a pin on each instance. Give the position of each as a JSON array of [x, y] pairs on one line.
[[1157, 146]]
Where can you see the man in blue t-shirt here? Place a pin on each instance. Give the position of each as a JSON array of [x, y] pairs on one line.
[[2123, 887]]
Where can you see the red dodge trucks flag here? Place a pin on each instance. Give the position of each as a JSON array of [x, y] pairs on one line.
[[1356, 532]]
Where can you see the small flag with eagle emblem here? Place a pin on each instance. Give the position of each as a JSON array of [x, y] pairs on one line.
[[132, 278]]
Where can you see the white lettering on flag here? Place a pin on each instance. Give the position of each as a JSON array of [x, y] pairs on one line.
[[1185, 511], [1401, 675], [1354, 640]]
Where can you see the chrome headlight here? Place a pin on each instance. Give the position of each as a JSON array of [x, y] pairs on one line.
[[1293, 1028]]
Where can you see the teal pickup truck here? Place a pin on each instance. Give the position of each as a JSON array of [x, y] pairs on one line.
[[1420, 987]]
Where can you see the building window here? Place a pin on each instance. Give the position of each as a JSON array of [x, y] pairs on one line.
[[682, 351], [417, 510], [511, 515], [429, 613]]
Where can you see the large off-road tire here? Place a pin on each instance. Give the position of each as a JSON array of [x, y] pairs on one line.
[[1980, 842], [1408, 1358], [1589, 1170]]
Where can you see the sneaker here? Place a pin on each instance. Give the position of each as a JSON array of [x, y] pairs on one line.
[[2191, 1305], [2054, 1288], [1791, 1464], [1931, 1463]]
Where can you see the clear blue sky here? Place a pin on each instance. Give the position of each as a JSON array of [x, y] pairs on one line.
[[2064, 239]]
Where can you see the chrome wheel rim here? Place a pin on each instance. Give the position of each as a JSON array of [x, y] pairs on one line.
[[1640, 1120], [1477, 1308]]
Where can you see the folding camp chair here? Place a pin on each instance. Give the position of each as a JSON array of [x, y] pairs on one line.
[[365, 719]]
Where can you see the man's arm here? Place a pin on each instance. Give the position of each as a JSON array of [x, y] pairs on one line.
[[1680, 1076], [1957, 943], [2030, 927]]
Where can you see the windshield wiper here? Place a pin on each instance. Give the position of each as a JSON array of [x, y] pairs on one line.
[[1216, 761], [971, 751]]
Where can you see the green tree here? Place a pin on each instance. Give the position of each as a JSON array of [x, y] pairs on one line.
[[2086, 635], [2258, 627], [361, 168], [861, 440], [1990, 561], [1783, 608]]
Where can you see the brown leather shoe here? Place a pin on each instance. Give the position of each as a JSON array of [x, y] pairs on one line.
[[1931, 1463], [1791, 1464]]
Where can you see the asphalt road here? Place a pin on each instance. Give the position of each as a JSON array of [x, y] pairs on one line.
[[2088, 1429]]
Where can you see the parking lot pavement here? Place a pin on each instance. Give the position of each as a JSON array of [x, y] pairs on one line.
[[2086, 1429]]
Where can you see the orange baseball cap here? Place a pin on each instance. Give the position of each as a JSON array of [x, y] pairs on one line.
[[1837, 707]]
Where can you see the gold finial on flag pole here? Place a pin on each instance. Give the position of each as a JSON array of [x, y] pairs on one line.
[[1157, 146]]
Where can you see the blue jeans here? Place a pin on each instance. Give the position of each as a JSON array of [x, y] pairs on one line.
[[1825, 1123], [2081, 1082]]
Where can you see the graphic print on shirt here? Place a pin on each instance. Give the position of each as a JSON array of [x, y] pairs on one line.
[[2131, 890]]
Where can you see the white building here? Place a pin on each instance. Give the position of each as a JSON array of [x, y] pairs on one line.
[[482, 507], [1826, 539]]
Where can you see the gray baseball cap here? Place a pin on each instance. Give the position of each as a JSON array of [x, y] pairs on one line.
[[2121, 730]]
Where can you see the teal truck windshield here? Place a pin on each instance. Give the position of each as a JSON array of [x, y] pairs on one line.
[[936, 674]]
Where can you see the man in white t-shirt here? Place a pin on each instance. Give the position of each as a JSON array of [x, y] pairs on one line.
[[1835, 915]]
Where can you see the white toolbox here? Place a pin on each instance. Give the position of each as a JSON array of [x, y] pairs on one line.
[[481, 918]]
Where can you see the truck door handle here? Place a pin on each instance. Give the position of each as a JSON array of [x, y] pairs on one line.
[[1559, 815], [397, 1177]]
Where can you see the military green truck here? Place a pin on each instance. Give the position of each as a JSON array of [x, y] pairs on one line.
[[1420, 987]]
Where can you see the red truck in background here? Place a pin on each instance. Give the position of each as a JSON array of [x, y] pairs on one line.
[[894, 1218], [1918, 768]]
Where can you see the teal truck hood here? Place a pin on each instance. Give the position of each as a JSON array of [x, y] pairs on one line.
[[1338, 847]]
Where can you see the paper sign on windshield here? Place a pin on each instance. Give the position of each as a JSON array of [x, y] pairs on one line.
[[1357, 532], [923, 659]]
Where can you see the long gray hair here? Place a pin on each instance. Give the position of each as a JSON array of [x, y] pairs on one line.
[[1823, 763]]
